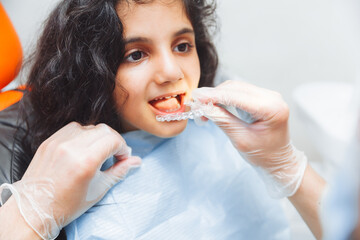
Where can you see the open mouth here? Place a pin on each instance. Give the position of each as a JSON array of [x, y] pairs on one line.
[[168, 104]]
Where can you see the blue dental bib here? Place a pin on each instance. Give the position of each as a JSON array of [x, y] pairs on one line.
[[192, 186]]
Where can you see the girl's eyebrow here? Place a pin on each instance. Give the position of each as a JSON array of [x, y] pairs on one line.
[[184, 31], [135, 39], [146, 40]]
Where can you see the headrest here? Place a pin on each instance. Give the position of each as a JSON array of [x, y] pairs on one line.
[[10, 50]]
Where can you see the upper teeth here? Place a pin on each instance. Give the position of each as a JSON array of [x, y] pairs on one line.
[[168, 97]]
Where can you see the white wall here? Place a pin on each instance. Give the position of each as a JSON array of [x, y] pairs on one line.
[[27, 17], [280, 44]]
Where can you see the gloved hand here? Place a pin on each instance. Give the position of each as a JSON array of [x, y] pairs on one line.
[[64, 180], [265, 143]]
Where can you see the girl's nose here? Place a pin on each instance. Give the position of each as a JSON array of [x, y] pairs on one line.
[[167, 68]]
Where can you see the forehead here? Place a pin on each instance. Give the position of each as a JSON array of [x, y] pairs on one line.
[[138, 18], [125, 7]]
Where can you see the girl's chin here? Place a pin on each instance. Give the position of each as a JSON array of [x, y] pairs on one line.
[[170, 129]]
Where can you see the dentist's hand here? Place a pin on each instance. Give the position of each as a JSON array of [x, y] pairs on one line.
[[64, 180], [265, 143]]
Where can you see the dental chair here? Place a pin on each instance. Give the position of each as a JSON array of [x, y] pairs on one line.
[[10, 60]]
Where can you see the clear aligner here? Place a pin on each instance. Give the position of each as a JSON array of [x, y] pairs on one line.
[[195, 112], [198, 109], [180, 116]]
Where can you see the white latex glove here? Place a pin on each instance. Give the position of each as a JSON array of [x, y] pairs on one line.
[[64, 180], [265, 143]]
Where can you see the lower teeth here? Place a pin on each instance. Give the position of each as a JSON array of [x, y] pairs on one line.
[[180, 116], [173, 110]]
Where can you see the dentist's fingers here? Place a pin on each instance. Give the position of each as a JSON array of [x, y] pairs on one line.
[[221, 116], [121, 168], [260, 103], [82, 147], [98, 143], [103, 181], [108, 141]]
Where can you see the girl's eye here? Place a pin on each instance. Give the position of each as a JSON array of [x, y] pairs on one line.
[[183, 47], [135, 56]]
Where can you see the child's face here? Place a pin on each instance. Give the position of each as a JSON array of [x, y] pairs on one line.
[[161, 66]]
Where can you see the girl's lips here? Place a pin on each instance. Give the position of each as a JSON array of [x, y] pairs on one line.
[[180, 97]]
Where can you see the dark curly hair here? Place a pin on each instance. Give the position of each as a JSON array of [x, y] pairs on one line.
[[74, 65]]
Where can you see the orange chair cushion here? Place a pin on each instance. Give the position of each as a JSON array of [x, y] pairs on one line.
[[10, 97], [10, 50]]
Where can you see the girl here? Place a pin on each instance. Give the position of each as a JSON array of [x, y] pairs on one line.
[[122, 63], [191, 186]]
